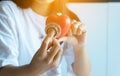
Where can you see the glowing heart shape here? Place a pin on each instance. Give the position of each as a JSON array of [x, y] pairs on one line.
[[60, 22]]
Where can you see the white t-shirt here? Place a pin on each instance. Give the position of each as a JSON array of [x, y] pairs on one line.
[[21, 35]]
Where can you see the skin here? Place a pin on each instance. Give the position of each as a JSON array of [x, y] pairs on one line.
[[77, 38], [49, 60]]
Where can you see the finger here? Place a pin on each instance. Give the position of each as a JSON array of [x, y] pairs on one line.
[[58, 57], [45, 44], [74, 28], [50, 45], [53, 51], [51, 33], [83, 27], [84, 35], [79, 32]]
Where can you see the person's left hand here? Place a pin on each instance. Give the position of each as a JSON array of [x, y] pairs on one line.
[[77, 35]]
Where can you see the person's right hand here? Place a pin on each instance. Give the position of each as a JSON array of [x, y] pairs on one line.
[[44, 60]]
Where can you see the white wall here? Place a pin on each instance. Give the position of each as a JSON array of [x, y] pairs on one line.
[[103, 23], [114, 40]]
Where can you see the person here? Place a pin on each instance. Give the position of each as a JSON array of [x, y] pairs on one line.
[[24, 45]]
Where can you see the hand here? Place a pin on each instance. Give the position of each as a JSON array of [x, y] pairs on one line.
[[77, 35], [77, 38], [45, 60]]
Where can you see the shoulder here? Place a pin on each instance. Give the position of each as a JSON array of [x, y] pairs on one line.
[[8, 12], [7, 7], [6, 4]]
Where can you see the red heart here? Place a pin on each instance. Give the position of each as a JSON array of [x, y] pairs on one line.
[[61, 19]]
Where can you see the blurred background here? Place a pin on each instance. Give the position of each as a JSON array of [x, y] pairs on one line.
[[102, 18]]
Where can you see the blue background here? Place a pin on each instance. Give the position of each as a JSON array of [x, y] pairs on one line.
[[103, 41]]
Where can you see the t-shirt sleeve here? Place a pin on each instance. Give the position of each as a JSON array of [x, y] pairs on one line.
[[8, 37], [69, 57]]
